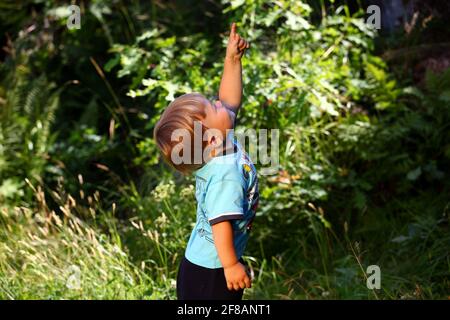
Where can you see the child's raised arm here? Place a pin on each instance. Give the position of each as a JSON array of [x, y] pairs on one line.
[[230, 90]]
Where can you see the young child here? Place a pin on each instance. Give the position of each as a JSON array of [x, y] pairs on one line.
[[226, 183]]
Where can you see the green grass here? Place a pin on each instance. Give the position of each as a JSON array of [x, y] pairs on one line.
[[49, 256]]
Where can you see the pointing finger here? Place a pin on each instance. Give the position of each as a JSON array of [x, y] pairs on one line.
[[237, 38], [233, 30]]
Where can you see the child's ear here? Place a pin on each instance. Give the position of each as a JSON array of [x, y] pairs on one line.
[[214, 137]]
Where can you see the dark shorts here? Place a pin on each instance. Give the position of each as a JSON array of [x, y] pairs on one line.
[[195, 282]]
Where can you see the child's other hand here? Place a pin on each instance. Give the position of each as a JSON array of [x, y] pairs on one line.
[[237, 277], [236, 45]]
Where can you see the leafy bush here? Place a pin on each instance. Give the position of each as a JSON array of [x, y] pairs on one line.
[[363, 155]]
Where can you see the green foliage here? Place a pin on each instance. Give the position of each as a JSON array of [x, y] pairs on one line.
[[364, 157], [25, 136]]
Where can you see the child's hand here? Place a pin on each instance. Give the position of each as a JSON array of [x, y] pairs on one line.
[[237, 277], [236, 45]]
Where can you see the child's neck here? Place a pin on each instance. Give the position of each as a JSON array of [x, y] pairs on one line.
[[230, 147], [227, 148]]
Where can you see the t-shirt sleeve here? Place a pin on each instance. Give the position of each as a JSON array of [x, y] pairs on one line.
[[232, 111], [224, 201]]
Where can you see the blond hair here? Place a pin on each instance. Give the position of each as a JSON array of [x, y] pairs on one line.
[[181, 114]]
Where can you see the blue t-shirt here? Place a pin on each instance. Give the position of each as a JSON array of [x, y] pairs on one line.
[[226, 189]]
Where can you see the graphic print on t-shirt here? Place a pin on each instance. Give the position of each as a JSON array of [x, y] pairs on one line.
[[249, 173], [202, 231]]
